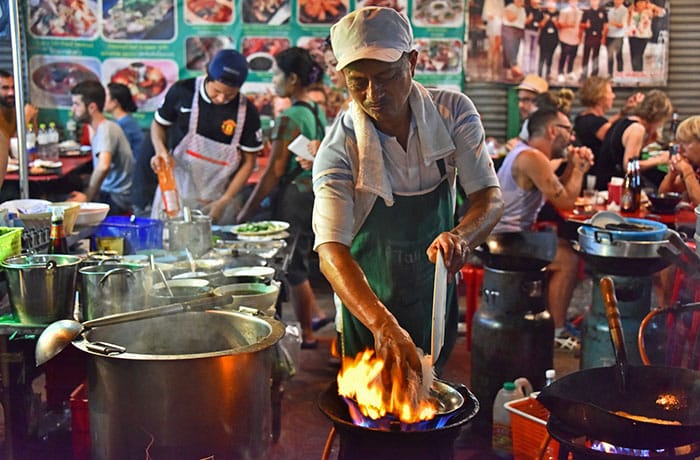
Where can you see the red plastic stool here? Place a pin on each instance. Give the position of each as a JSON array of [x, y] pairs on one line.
[[472, 277]]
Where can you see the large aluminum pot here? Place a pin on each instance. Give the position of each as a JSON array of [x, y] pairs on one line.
[[189, 385], [110, 288], [42, 287]]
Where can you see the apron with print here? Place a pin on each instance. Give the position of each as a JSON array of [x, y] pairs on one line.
[[390, 247], [204, 167]]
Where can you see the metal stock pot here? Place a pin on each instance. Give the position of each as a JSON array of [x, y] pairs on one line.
[[109, 288], [42, 287], [187, 385]]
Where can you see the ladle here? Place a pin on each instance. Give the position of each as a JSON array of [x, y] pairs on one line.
[[155, 267], [59, 334]]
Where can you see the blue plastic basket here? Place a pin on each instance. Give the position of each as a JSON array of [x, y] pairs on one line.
[[138, 232]]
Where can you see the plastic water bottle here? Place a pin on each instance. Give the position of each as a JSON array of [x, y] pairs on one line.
[[31, 142], [52, 147], [42, 141], [501, 437], [549, 376], [71, 128]]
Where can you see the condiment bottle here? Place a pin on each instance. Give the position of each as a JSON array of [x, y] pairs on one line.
[[58, 243], [549, 376], [168, 188]]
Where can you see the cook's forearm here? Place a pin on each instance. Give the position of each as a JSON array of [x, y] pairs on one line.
[[159, 138], [485, 210], [348, 281], [240, 178]]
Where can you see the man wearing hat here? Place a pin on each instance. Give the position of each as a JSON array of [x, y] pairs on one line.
[[212, 133], [384, 184], [531, 86]]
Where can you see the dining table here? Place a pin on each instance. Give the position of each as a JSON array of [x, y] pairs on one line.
[[53, 185]]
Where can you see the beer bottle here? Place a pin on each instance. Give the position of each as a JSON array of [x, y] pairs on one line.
[[637, 183], [168, 188], [627, 198], [673, 146], [58, 243]]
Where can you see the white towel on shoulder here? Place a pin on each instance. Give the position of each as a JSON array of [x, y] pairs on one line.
[[434, 139]]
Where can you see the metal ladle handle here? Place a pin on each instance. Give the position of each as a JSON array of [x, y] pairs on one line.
[[612, 312]]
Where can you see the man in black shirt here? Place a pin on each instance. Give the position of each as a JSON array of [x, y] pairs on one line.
[[211, 133]]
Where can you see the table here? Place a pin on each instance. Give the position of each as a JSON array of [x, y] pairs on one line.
[[70, 165]]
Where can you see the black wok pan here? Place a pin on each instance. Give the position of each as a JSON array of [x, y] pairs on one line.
[[518, 251], [590, 401]]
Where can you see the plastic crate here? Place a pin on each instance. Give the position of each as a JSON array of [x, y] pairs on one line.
[[80, 422], [138, 232], [528, 424], [10, 242]]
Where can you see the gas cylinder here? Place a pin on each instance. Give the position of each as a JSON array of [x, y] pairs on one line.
[[512, 336]]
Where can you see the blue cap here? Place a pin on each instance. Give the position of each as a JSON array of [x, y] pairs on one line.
[[229, 67]]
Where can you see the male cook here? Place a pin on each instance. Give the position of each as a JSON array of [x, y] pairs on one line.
[[212, 133], [384, 180]]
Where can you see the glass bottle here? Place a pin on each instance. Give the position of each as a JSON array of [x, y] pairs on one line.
[[168, 188], [58, 243], [637, 183], [627, 197]]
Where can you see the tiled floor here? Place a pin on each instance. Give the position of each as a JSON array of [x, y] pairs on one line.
[[305, 429]]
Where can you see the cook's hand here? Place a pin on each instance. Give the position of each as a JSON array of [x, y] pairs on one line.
[[78, 197], [454, 249], [161, 157], [215, 209], [401, 361]]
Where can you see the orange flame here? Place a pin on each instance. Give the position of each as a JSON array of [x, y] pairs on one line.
[[360, 379]]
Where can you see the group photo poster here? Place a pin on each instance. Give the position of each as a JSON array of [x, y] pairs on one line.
[[566, 41]]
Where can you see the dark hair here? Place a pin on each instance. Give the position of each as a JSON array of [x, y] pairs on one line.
[[121, 93], [5, 73], [299, 61], [91, 91], [539, 120]]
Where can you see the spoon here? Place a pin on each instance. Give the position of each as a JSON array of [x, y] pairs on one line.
[[190, 257], [59, 334]]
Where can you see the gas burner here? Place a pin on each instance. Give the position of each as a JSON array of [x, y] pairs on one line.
[[581, 447], [392, 423]]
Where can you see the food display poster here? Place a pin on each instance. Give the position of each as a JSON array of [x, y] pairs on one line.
[[149, 44], [566, 41]]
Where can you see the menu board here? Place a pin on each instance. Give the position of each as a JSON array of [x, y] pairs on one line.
[[149, 44]]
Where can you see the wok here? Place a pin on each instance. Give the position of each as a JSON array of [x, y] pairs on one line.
[[591, 401], [518, 251]]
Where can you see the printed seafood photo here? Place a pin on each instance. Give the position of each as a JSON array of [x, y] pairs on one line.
[[438, 13], [52, 78], [321, 11], [199, 50], [63, 18], [209, 11], [273, 12], [146, 79], [398, 5], [138, 19]]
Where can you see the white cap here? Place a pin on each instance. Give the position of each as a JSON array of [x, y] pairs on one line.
[[371, 33], [550, 374]]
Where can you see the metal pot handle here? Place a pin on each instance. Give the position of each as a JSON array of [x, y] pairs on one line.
[[105, 348], [51, 265], [601, 237], [109, 259], [126, 271]]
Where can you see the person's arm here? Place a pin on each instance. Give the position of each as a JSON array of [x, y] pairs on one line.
[[681, 176], [99, 172], [159, 134], [4, 155], [275, 170], [633, 140], [484, 212], [391, 342], [216, 208]]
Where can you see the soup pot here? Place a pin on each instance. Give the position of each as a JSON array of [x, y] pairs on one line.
[[109, 288], [188, 385], [42, 287]]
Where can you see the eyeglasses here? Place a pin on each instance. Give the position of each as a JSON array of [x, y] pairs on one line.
[[569, 128]]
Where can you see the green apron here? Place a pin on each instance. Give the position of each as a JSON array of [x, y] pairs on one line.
[[390, 247]]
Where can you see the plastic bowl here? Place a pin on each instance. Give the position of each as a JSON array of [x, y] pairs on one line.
[[92, 214], [664, 201], [656, 232]]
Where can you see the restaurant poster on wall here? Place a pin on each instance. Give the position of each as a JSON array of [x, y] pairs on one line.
[[150, 44], [501, 50]]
